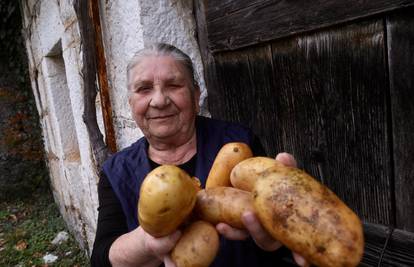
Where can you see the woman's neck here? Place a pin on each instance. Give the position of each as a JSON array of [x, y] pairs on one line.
[[165, 153]]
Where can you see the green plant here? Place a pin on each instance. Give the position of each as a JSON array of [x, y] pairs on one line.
[[27, 229]]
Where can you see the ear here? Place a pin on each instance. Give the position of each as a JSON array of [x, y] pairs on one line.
[[197, 94]]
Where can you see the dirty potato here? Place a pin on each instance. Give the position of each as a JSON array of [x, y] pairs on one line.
[[167, 197], [197, 246], [223, 204], [308, 218], [244, 174], [228, 156]]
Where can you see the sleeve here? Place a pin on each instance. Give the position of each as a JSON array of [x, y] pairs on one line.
[[111, 223]]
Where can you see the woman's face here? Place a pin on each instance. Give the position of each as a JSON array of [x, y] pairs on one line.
[[161, 100]]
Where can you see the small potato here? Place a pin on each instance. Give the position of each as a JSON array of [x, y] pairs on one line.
[[223, 204], [197, 246], [228, 156], [244, 174], [308, 218], [167, 197]]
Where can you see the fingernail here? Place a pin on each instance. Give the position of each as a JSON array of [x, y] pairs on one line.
[[287, 159]]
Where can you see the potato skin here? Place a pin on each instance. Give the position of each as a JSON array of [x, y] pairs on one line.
[[167, 197], [228, 156], [223, 204], [198, 246], [245, 173], [308, 218]]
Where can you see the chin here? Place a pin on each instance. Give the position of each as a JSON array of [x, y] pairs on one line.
[[162, 133]]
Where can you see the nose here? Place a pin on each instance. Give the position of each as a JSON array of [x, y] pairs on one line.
[[159, 98]]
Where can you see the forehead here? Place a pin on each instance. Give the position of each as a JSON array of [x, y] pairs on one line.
[[158, 67]]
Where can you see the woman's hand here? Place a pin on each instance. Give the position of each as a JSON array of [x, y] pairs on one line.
[[138, 248], [162, 246], [255, 229]]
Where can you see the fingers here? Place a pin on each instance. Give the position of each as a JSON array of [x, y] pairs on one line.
[[168, 262], [300, 260], [230, 232], [258, 233], [287, 159], [162, 245]]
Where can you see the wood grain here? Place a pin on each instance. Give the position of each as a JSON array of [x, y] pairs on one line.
[[400, 32], [321, 97], [236, 24], [208, 59], [398, 250]]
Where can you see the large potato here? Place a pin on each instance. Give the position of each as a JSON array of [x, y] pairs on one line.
[[197, 246], [228, 156], [167, 197], [308, 218], [244, 174], [223, 204]]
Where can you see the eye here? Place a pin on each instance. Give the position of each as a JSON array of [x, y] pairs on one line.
[[143, 89], [175, 85]]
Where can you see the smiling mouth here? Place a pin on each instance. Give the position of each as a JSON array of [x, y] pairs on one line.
[[161, 117]]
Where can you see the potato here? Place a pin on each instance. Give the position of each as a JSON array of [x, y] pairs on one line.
[[167, 197], [197, 246], [244, 174], [228, 156], [308, 218], [223, 204]]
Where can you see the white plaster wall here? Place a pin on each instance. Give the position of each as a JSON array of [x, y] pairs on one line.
[[172, 21], [122, 34], [54, 50], [55, 61], [84, 184]]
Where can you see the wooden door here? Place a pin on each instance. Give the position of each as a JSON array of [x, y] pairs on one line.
[[331, 82]]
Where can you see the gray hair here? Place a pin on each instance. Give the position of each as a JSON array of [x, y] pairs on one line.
[[162, 49]]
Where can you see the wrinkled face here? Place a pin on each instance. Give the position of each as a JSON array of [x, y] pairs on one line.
[[161, 100]]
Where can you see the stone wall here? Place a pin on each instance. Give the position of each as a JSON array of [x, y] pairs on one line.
[[55, 62]]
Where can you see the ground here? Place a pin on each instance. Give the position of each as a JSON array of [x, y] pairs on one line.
[[27, 228]]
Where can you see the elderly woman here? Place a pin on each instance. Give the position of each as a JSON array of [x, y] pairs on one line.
[[164, 97]]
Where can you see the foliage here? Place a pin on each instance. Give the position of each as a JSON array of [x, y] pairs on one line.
[[13, 60], [27, 229], [22, 167]]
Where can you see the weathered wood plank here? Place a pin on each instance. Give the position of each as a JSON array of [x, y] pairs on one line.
[[235, 92], [322, 98], [208, 59], [398, 250], [217, 8], [385, 247], [234, 24], [332, 103], [400, 33], [102, 78], [99, 148]]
